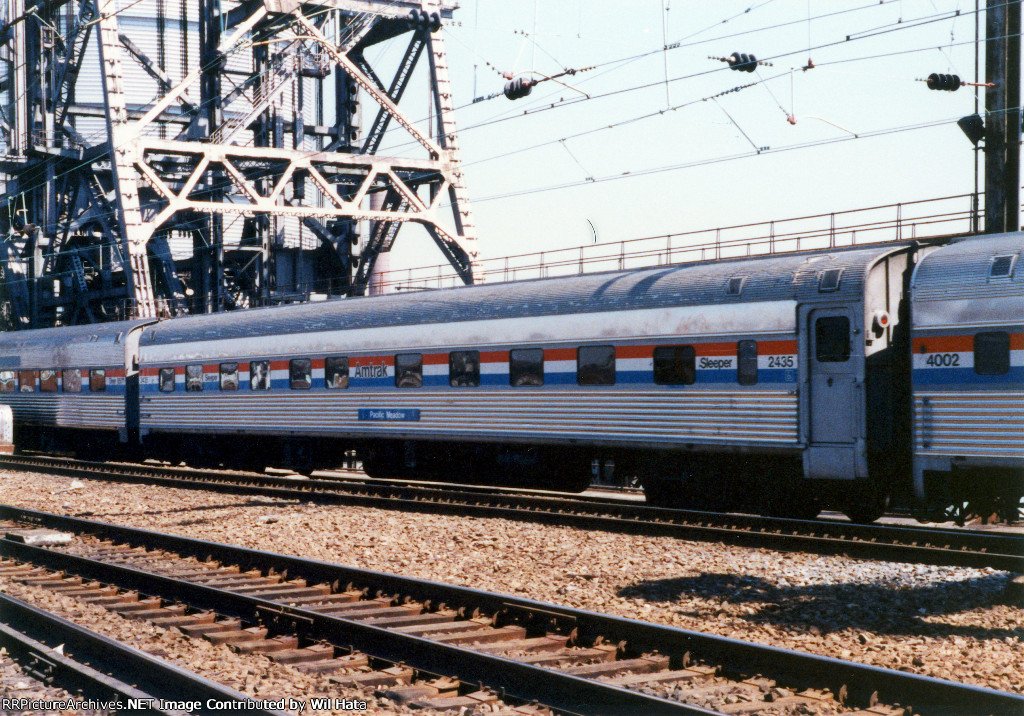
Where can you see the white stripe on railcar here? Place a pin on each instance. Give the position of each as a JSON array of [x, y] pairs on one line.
[[661, 324]]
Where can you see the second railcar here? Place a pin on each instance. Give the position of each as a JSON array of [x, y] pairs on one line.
[[677, 373], [968, 378]]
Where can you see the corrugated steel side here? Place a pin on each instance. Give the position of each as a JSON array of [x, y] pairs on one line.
[[67, 411], [958, 413], [969, 423], [758, 418]]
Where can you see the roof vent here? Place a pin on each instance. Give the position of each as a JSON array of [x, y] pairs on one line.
[[735, 286], [829, 280], [1002, 267]]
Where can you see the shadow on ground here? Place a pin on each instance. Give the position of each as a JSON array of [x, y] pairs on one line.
[[876, 608]]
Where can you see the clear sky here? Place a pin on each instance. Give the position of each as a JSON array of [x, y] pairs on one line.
[[516, 152]]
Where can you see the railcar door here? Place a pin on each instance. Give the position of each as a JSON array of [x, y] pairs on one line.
[[834, 403]]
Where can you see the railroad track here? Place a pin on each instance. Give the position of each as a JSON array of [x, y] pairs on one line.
[[63, 662], [949, 547], [435, 645]]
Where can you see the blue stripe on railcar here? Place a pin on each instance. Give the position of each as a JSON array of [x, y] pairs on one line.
[[966, 376]]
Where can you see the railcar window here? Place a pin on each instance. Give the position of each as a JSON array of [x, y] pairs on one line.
[[300, 373], [675, 365], [595, 365], [259, 375], [98, 380], [464, 369], [229, 376], [167, 380], [992, 353], [71, 380], [832, 339], [336, 372], [193, 378], [26, 381], [409, 370], [1002, 267], [8, 381], [48, 381], [746, 359], [526, 367], [829, 280]]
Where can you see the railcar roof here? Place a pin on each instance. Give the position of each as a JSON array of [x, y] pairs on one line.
[[962, 270], [93, 344], [773, 278]]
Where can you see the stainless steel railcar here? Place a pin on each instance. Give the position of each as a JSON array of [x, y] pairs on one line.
[[746, 376], [968, 377], [72, 387], [778, 382]]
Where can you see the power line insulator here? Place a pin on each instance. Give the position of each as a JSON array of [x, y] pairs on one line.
[[518, 88], [742, 61], [947, 83], [422, 18]]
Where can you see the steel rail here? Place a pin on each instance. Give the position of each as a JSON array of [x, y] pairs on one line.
[[563, 692], [858, 682], [919, 545], [153, 680]]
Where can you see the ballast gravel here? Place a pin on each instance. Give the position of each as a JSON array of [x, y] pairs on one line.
[[22, 695], [952, 623]]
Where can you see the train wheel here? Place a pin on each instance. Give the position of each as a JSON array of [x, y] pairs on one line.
[[867, 509]]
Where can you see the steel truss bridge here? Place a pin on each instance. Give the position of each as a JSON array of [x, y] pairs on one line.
[[166, 157]]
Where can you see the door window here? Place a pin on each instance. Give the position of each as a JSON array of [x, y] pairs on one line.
[[832, 339]]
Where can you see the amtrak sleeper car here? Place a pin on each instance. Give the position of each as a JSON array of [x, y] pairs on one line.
[[681, 373]]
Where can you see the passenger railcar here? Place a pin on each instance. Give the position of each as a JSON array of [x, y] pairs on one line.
[[783, 383], [71, 387], [685, 374], [968, 377]]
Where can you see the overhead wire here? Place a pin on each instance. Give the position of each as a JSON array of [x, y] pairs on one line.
[[721, 159], [562, 102]]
